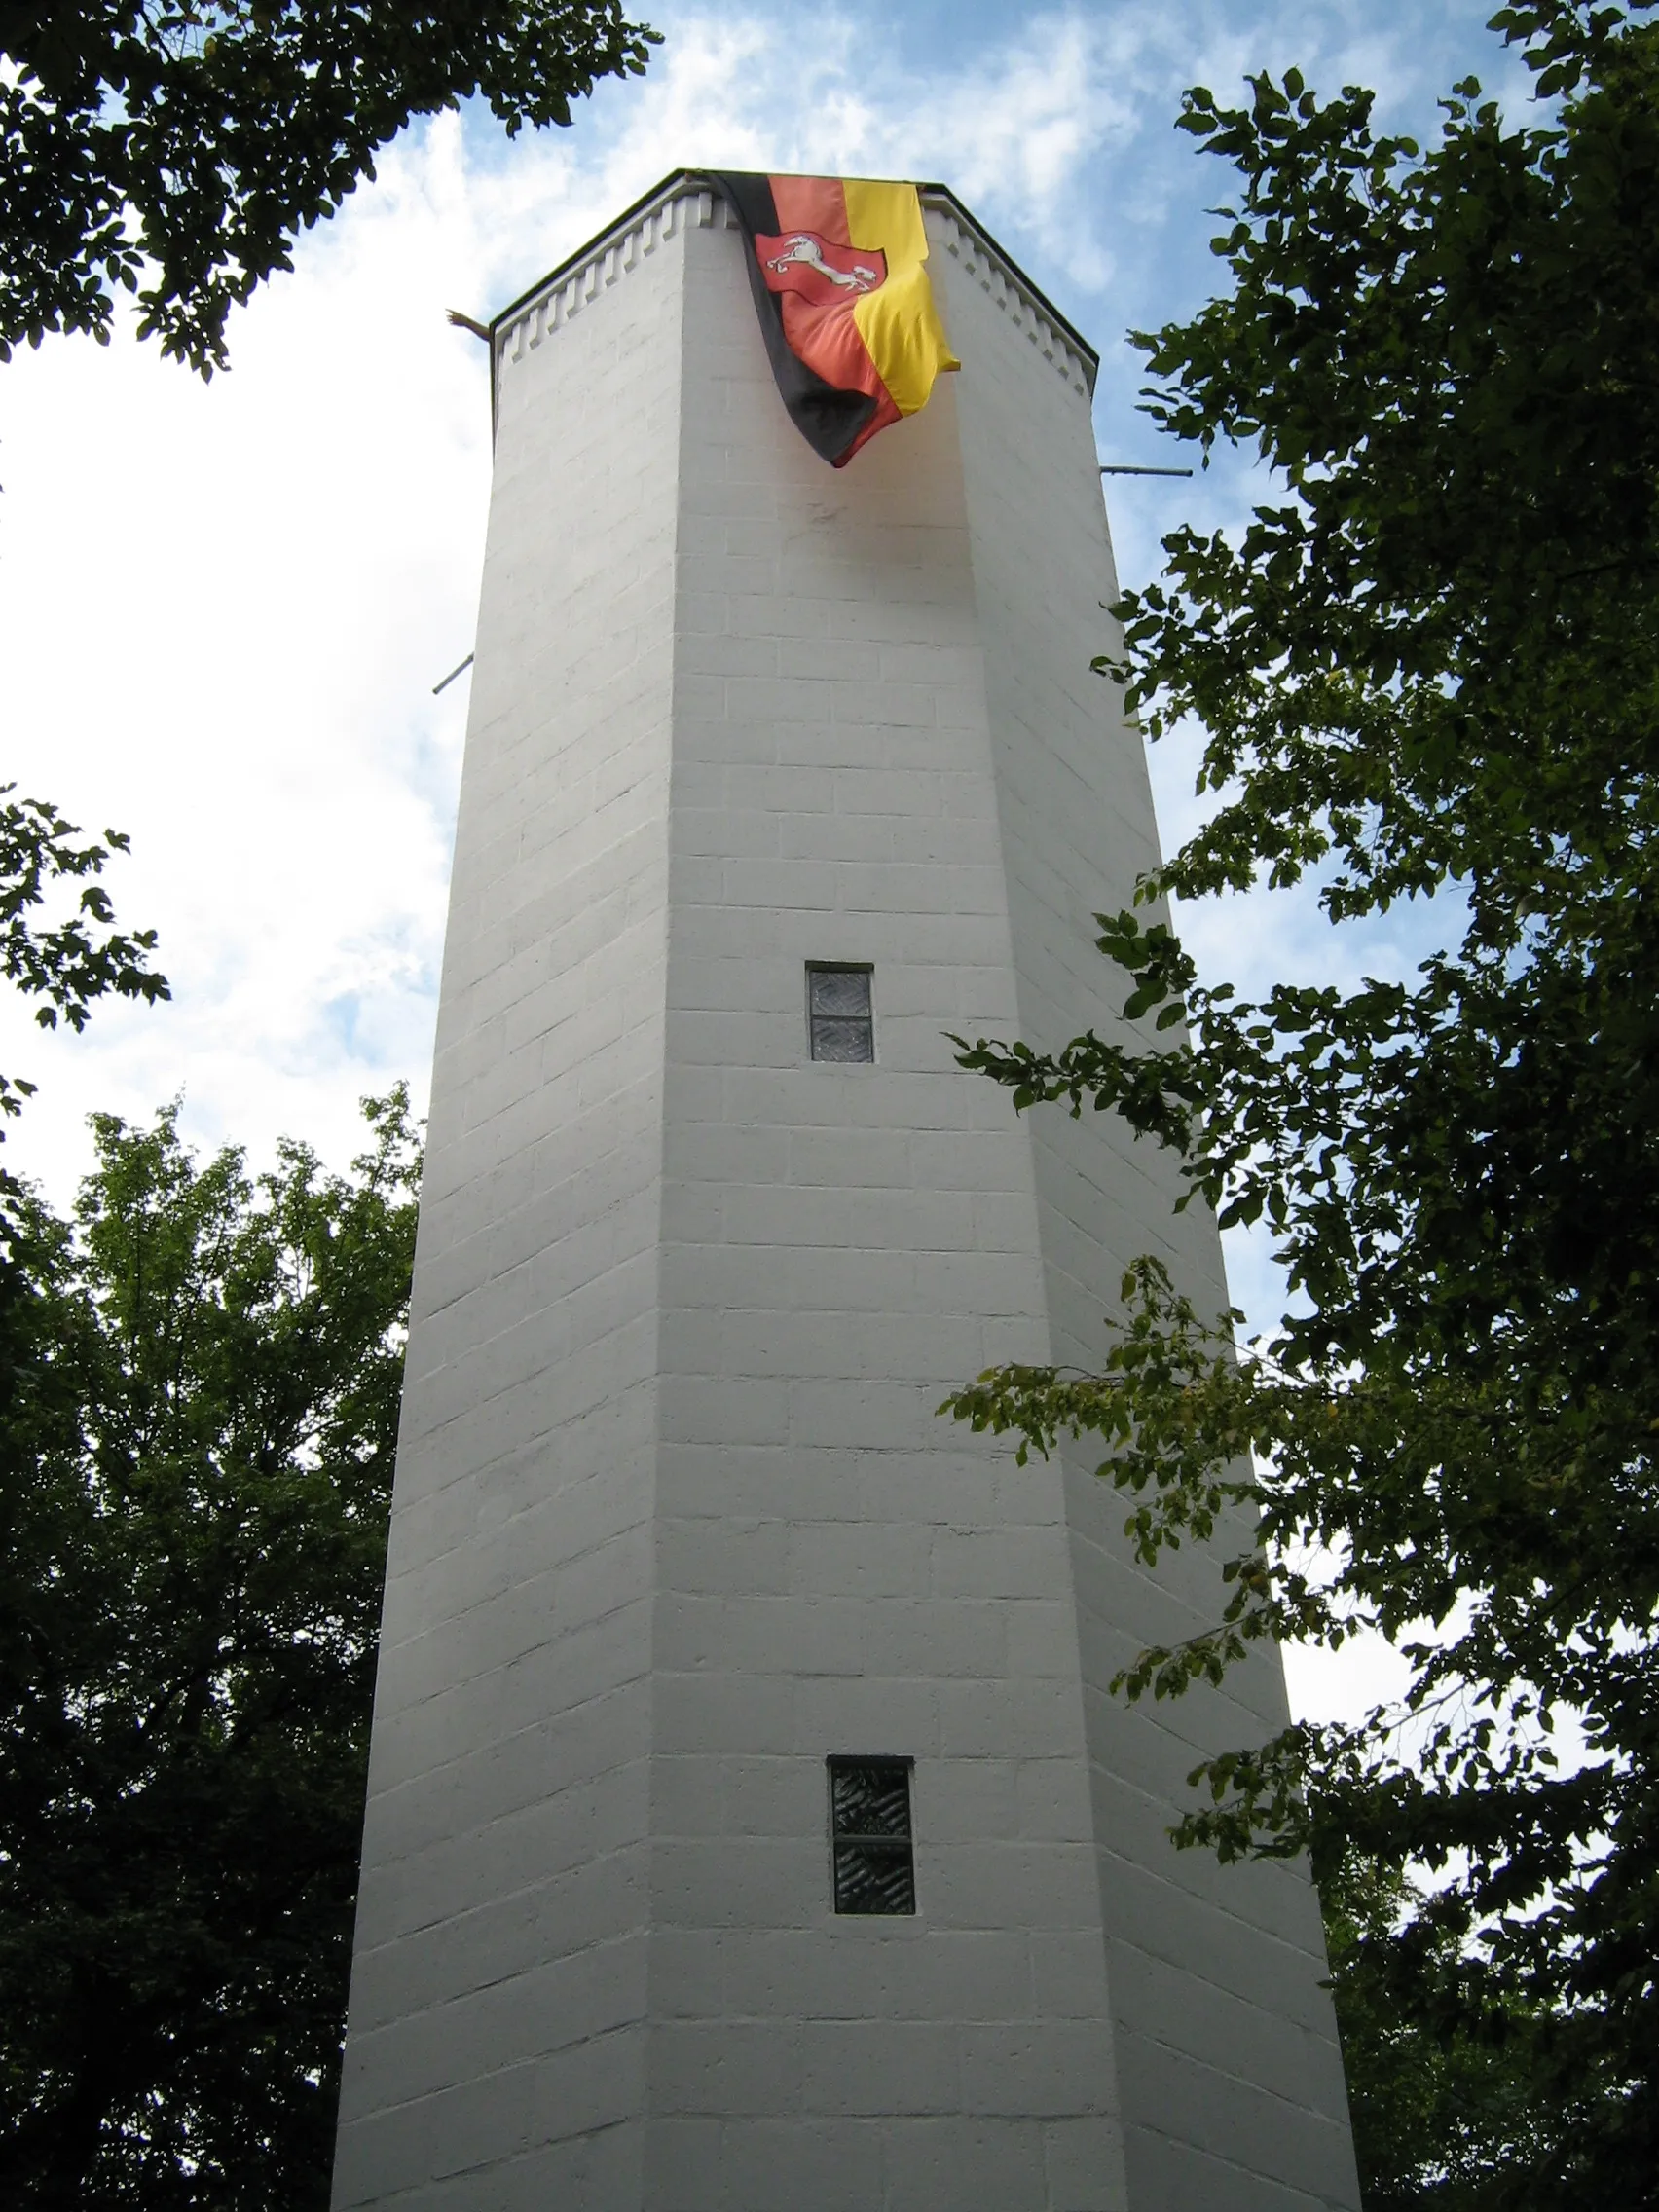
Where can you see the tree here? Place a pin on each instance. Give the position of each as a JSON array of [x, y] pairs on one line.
[[1427, 670], [74, 959], [203, 1374], [176, 148], [1444, 2096]]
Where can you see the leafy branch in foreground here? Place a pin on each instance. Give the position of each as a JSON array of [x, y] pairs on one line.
[[70, 961], [175, 149], [1427, 670]]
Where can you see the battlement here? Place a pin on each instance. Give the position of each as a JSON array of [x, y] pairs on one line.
[[685, 201]]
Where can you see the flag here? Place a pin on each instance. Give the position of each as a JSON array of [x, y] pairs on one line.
[[839, 270]]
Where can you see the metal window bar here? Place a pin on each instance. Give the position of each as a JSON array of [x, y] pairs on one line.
[[839, 1021], [870, 1836]]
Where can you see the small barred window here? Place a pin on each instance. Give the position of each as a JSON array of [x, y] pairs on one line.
[[870, 1836], [839, 1021]]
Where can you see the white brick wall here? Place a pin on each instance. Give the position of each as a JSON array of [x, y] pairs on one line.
[[837, 1570], [1208, 1966], [499, 1986], [675, 1518]]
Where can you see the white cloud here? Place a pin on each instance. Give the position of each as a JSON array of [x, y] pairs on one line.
[[222, 608]]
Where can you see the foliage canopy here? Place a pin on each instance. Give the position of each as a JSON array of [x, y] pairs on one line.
[[176, 148], [1428, 668], [200, 1379]]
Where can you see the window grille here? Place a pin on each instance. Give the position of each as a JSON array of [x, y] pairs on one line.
[[840, 1024], [870, 1836]]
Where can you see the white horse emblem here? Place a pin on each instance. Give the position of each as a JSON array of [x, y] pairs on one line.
[[805, 247]]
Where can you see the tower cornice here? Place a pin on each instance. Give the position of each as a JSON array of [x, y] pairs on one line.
[[685, 199]]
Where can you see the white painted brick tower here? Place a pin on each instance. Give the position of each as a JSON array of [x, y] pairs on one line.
[[676, 1524]]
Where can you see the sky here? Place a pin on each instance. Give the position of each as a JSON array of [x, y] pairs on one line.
[[223, 607]]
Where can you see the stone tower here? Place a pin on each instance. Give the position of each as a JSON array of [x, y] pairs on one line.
[[698, 1621]]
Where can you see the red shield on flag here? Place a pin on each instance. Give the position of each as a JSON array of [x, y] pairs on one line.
[[819, 270]]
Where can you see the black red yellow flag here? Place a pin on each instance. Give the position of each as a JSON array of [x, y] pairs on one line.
[[838, 269]]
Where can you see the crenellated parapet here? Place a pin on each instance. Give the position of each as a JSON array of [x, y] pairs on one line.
[[684, 200], [1014, 292]]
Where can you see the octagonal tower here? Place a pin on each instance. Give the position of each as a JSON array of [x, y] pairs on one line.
[[750, 1829]]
